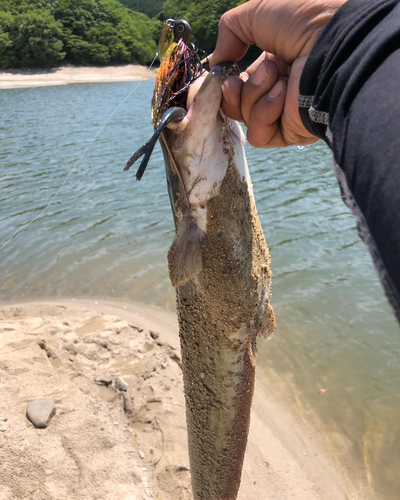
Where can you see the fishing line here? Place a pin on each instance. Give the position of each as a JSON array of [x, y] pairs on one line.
[[80, 158]]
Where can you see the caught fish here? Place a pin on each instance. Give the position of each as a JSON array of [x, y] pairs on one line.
[[219, 261]]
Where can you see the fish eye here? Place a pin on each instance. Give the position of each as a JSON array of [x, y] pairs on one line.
[[182, 30]]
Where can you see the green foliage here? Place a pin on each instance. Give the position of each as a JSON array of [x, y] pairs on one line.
[[104, 32], [30, 39], [37, 39], [6, 23], [136, 33], [42, 33], [149, 7]]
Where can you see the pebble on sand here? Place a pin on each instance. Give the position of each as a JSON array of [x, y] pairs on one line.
[[41, 411], [120, 384]]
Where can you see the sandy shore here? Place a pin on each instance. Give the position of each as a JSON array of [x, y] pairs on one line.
[[11, 79], [119, 430]]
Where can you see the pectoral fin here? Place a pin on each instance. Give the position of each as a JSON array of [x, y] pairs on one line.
[[184, 256]]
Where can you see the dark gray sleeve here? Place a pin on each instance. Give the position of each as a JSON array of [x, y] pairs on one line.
[[350, 97]]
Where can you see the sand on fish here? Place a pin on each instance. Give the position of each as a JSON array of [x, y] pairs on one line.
[[119, 431], [11, 79]]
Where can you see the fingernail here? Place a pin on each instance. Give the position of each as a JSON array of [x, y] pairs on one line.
[[276, 90], [259, 75]]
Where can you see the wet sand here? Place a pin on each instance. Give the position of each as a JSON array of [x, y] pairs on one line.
[[11, 79], [119, 432]]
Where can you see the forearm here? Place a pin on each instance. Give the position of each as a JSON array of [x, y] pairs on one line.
[[350, 97]]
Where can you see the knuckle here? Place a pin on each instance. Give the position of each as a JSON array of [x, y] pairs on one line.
[[224, 20]]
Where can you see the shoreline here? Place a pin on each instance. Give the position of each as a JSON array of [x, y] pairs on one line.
[[285, 456], [65, 75]]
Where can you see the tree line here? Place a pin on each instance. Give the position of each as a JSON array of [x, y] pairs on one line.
[[50, 33]]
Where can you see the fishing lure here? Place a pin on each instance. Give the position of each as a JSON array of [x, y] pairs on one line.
[[180, 66]]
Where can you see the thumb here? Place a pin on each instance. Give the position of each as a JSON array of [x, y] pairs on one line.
[[235, 34]]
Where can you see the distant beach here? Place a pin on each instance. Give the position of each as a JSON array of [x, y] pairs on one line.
[[11, 79]]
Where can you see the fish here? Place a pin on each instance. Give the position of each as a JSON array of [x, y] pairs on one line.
[[218, 262]]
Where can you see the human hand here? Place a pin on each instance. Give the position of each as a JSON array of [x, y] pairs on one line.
[[265, 96]]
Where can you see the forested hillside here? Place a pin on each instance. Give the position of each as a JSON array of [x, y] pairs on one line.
[[50, 33], [149, 7]]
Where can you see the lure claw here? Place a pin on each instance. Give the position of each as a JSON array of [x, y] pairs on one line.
[[145, 150], [173, 114]]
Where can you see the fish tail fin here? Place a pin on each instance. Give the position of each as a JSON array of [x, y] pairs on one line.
[[184, 256]]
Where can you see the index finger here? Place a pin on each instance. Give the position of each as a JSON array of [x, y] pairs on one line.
[[234, 35]]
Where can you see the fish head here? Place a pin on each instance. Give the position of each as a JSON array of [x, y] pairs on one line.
[[197, 145]]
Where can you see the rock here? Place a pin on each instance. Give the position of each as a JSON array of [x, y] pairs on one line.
[[154, 335], [128, 406], [120, 384], [41, 411]]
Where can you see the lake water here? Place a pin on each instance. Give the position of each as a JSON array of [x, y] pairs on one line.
[[107, 236]]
